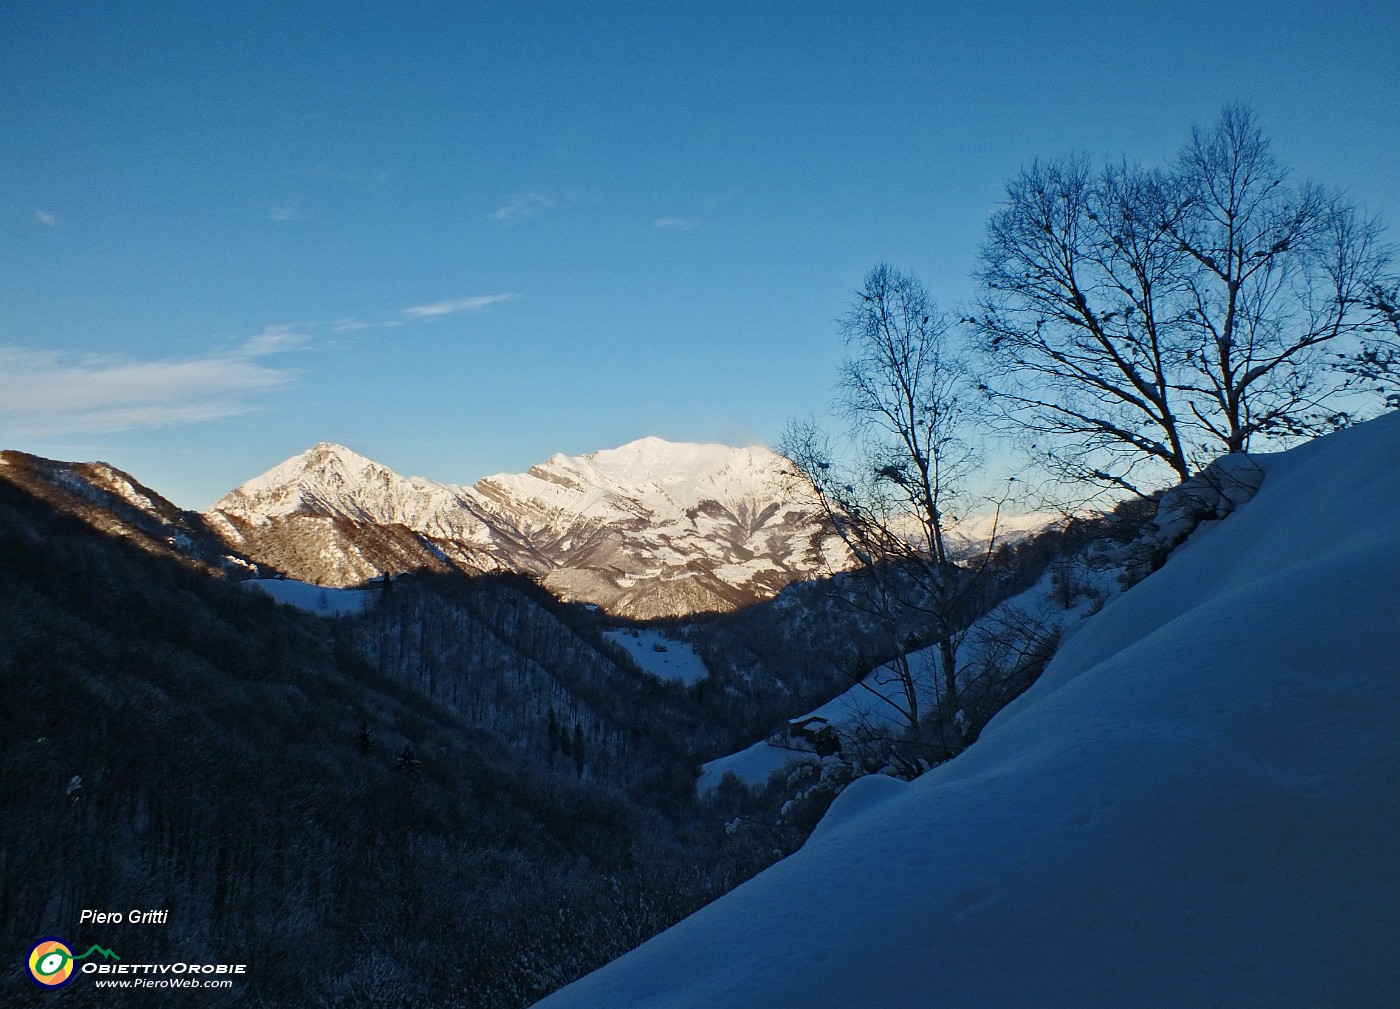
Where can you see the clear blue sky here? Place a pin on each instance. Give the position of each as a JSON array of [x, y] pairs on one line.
[[461, 237]]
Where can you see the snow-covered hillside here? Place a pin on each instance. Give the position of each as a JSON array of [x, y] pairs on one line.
[[317, 599], [875, 702], [115, 503], [1196, 804], [646, 530], [659, 654]]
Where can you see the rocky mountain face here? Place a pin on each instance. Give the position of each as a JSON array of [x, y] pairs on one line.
[[114, 503], [650, 529], [335, 518]]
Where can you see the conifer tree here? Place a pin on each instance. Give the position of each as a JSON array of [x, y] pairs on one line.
[[407, 761]]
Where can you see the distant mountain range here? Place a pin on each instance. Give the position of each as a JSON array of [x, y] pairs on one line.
[[650, 529]]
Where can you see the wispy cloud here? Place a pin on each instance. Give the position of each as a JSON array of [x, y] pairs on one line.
[[675, 223], [356, 325], [46, 218], [524, 205], [49, 393], [437, 309], [272, 340], [284, 212]]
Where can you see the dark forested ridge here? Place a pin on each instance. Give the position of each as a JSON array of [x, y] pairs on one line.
[[459, 798]]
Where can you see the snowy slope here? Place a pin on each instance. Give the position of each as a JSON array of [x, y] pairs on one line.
[[114, 503], [861, 704], [646, 530], [660, 655], [1196, 805], [317, 599], [877, 700]]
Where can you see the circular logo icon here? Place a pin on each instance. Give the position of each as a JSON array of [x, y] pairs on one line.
[[51, 963]]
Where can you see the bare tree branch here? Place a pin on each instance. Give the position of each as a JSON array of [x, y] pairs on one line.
[[1134, 316], [906, 397]]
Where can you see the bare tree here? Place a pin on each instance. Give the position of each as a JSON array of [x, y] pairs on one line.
[[888, 487], [1375, 366], [1281, 273], [1078, 324], [1142, 320]]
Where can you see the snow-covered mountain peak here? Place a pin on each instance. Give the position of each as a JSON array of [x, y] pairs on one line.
[[647, 529], [700, 468], [325, 464], [660, 475], [330, 479], [653, 458]]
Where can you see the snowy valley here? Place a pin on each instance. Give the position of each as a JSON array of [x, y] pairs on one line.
[[1171, 779], [700, 506]]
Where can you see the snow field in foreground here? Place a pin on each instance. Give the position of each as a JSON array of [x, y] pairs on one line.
[[1195, 806]]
